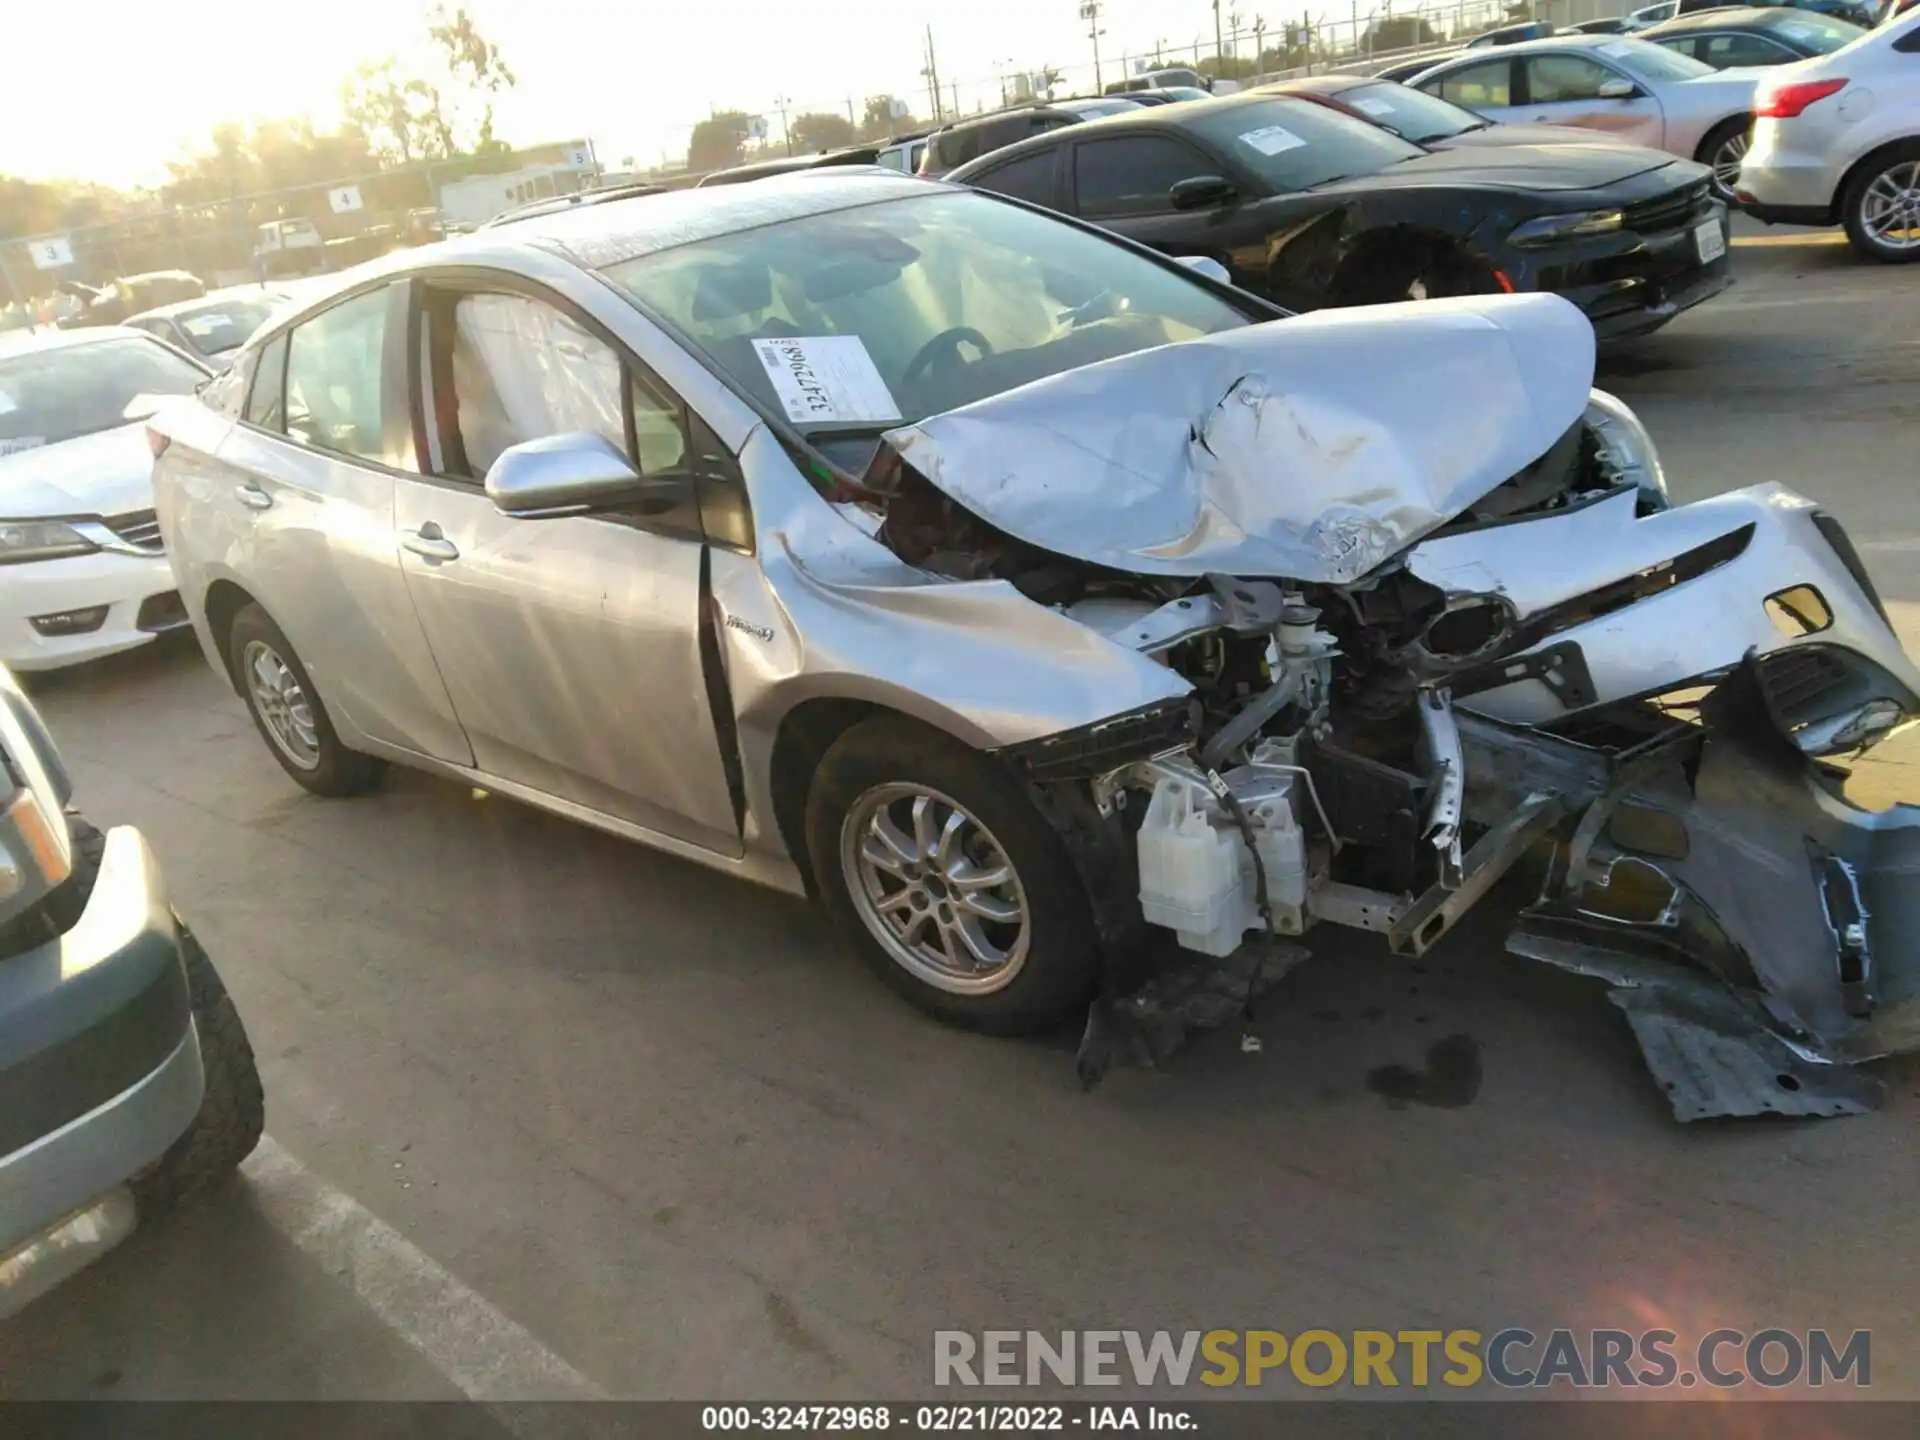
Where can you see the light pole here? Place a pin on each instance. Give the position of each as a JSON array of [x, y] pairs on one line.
[[1090, 12], [1217, 56], [781, 103]]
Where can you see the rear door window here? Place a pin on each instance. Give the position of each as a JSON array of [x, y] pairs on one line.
[[1029, 177], [1552, 78], [1488, 85], [1132, 175], [266, 401], [335, 380], [1725, 51]]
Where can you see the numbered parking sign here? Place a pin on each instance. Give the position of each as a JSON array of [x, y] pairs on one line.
[[344, 199], [51, 254]]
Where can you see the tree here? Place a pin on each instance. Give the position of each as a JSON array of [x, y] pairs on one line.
[[431, 105], [1226, 67], [820, 130], [716, 141], [879, 122], [1399, 32]]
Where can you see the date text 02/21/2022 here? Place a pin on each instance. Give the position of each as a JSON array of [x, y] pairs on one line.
[[943, 1418]]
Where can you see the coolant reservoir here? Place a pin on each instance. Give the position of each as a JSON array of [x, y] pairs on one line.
[[1191, 877]]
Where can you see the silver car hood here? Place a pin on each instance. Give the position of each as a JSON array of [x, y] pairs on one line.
[[1313, 448]]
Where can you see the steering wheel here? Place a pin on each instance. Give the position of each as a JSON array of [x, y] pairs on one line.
[[946, 343]]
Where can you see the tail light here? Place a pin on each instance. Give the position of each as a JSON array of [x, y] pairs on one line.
[[157, 442], [1783, 101]]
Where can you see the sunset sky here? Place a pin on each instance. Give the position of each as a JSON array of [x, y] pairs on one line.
[[114, 102]]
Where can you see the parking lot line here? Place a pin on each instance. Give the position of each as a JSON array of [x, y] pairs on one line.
[[1818, 237], [482, 1352]]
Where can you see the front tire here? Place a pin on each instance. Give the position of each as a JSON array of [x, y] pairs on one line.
[[288, 712], [232, 1114], [1391, 276], [1881, 207], [947, 881], [233, 1110]]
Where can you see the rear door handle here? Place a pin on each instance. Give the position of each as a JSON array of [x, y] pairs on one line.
[[252, 496], [428, 543]]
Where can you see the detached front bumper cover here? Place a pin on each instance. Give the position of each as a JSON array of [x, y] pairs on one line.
[[1818, 905]]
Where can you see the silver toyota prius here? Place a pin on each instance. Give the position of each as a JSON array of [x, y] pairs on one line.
[[1026, 595]]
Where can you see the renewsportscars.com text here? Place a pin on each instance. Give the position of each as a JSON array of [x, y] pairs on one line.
[[1513, 1358]]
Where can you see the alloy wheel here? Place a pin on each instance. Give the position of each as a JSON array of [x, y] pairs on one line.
[[1726, 163], [936, 889], [1890, 207], [282, 705]]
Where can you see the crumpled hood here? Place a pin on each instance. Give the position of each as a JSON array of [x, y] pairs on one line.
[[1312, 448], [108, 473]]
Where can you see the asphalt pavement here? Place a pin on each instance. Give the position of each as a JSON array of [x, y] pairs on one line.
[[554, 1115]]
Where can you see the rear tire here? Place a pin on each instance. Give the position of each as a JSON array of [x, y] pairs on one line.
[[288, 711], [1870, 208], [1722, 151], [868, 785]]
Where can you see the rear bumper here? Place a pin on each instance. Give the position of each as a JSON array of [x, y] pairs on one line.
[[1781, 178], [99, 1065], [137, 591]]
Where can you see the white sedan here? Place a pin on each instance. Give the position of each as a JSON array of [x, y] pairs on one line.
[[1628, 88], [1838, 141], [82, 570]]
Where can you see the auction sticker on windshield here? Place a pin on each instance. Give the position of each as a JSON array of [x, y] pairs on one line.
[[1272, 139], [1373, 107], [826, 378]]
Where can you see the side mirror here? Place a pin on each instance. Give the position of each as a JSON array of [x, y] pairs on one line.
[[576, 472], [1617, 90], [1201, 192], [1206, 265]]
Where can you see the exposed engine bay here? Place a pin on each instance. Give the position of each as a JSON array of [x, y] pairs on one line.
[[1634, 703]]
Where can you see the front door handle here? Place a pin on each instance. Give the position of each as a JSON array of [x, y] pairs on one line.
[[252, 496], [428, 543]]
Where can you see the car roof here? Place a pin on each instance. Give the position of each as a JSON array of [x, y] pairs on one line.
[[21, 342], [1728, 17], [213, 297], [786, 164], [1318, 84], [596, 236], [1534, 47]]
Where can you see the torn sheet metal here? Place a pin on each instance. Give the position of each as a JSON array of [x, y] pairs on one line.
[[1711, 1049], [1787, 947], [1314, 447], [1746, 545]]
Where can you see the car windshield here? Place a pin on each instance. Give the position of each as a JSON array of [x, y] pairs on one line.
[[1816, 34], [223, 325], [1296, 144], [1411, 114], [1648, 61], [859, 319], [66, 391]]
